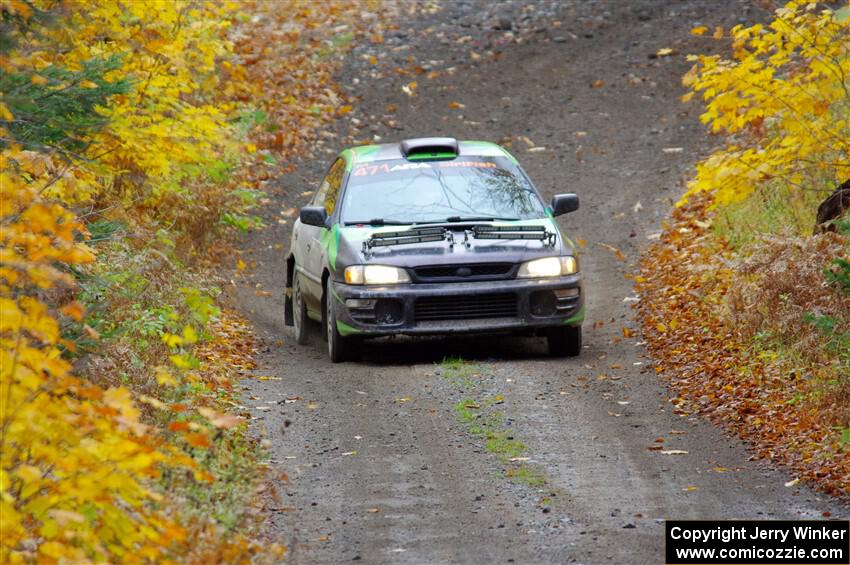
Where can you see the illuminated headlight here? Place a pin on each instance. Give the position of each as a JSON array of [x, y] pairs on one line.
[[375, 274], [548, 267]]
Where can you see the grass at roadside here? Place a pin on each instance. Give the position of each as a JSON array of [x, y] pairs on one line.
[[773, 208]]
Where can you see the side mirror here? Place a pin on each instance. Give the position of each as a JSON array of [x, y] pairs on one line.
[[314, 216], [563, 203]]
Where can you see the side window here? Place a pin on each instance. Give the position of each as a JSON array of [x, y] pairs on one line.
[[332, 184], [319, 197], [329, 189]]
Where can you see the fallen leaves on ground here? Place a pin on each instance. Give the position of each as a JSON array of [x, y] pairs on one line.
[[286, 60], [687, 276], [231, 351], [617, 252]]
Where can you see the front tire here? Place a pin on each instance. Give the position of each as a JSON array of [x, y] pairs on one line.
[[340, 348], [299, 312], [565, 341]]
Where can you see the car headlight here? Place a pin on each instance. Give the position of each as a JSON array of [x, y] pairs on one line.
[[548, 267], [375, 274]]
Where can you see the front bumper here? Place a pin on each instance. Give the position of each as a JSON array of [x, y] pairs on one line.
[[473, 307]]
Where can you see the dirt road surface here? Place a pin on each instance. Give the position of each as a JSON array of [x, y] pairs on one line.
[[380, 468]]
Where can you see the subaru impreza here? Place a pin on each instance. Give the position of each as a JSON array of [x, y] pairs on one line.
[[432, 236]]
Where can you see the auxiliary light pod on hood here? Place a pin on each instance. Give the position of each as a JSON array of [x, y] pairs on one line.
[[416, 235], [514, 232], [424, 235]]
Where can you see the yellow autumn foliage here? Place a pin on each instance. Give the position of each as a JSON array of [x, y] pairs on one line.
[[137, 118], [169, 119], [74, 458], [782, 102], [77, 464]]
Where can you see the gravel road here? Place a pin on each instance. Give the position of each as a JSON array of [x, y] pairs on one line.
[[380, 468]]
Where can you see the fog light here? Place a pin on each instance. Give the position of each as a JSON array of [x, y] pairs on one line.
[[389, 311], [360, 302], [543, 303]]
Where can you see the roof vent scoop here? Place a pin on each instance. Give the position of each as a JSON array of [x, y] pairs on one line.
[[429, 148]]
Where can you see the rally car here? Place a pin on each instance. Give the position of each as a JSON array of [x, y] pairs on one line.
[[432, 236]]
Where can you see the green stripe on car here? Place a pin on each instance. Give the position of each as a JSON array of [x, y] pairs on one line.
[[345, 330], [329, 240], [576, 318]]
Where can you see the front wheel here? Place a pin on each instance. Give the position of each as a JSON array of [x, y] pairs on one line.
[[340, 348], [565, 341]]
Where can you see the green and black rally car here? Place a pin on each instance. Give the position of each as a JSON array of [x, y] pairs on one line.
[[432, 236]]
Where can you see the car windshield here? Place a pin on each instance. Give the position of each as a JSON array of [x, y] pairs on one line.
[[472, 188]]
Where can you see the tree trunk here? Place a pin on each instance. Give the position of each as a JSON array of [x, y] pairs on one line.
[[833, 208]]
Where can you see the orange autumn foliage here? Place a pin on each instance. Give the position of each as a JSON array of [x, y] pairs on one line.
[[687, 285]]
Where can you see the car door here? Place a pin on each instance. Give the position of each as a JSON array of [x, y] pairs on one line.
[[313, 261]]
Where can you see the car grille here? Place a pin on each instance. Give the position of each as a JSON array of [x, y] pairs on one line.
[[474, 271], [466, 307]]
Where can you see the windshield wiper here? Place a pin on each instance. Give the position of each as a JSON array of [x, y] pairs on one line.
[[380, 222], [479, 219]]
